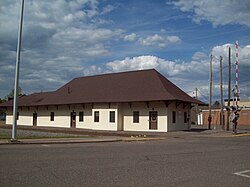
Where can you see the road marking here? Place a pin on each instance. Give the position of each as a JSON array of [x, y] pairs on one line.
[[242, 173], [45, 145]]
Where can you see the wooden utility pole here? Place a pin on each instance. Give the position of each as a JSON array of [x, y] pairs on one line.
[[221, 96], [196, 108], [229, 86], [210, 93]]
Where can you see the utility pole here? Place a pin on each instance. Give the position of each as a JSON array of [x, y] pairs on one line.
[[236, 87], [196, 108], [229, 86], [14, 132], [210, 93], [221, 96]]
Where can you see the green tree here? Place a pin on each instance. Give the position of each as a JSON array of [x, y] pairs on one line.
[[11, 94], [216, 103]]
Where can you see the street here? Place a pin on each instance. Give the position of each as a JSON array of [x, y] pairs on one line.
[[175, 161]]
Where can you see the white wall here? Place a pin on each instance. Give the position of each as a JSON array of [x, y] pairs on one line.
[[123, 116], [179, 124], [104, 123], [144, 110], [62, 116]]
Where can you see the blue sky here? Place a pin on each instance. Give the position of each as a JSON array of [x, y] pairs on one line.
[[64, 39]]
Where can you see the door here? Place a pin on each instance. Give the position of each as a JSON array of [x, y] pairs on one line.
[[153, 115], [34, 119], [73, 120]]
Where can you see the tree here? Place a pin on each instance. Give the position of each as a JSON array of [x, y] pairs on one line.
[[11, 94], [216, 103]]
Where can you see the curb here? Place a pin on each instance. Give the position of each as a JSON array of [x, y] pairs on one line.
[[235, 135], [56, 142], [142, 139], [20, 142], [223, 135]]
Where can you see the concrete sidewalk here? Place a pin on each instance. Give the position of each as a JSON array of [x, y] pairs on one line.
[[61, 140], [101, 139]]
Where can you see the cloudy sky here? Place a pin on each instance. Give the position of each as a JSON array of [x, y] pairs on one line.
[[64, 39]]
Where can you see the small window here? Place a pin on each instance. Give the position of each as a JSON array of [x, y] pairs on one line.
[[173, 117], [17, 117], [185, 117], [112, 116], [96, 116], [136, 117], [52, 116], [81, 115]]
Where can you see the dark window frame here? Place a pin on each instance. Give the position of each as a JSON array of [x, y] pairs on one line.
[[136, 116], [173, 116], [112, 116], [52, 116], [81, 116], [96, 116], [185, 117]]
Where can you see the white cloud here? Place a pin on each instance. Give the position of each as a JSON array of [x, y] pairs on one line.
[[135, 63], [107, 9], [199, 56], [217, 12], [160, 41], [173, 39], [222, 50], [244, 65], [195, 73], [58, 40], [92, 70], [130, 37], [170, 68]]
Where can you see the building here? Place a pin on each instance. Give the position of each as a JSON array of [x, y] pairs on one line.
[[244, 114], [130, 101]]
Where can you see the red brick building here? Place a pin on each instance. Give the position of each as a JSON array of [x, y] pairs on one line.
[[244, 118]]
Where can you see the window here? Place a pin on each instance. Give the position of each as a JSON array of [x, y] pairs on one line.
[[136, 117], [81, 115], [52, 116], [185, 117], [173, 117], [112, 116], [96, 116]]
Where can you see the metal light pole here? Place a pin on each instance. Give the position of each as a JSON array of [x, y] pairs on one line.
[[14, 132]]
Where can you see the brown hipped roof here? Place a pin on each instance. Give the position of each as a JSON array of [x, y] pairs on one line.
[[133, 86]]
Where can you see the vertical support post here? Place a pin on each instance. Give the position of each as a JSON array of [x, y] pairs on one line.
[[221, 97], [229, 86], [236, 87], [14, 132], [237, 74], [196, 107], [210, 93]]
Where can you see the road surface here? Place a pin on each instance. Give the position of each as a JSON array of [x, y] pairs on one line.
[[176, 161]]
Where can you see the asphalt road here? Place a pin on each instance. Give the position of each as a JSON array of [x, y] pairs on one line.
[[176, 161]]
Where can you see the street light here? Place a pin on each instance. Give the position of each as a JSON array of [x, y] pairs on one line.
[[14, 132]]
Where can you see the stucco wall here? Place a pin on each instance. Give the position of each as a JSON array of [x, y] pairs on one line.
[[62, 116], [104, 123], [123, 116], [144, 110], [179, 124]]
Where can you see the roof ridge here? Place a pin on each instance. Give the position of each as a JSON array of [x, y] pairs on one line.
[[112, 73], [161, 78]]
